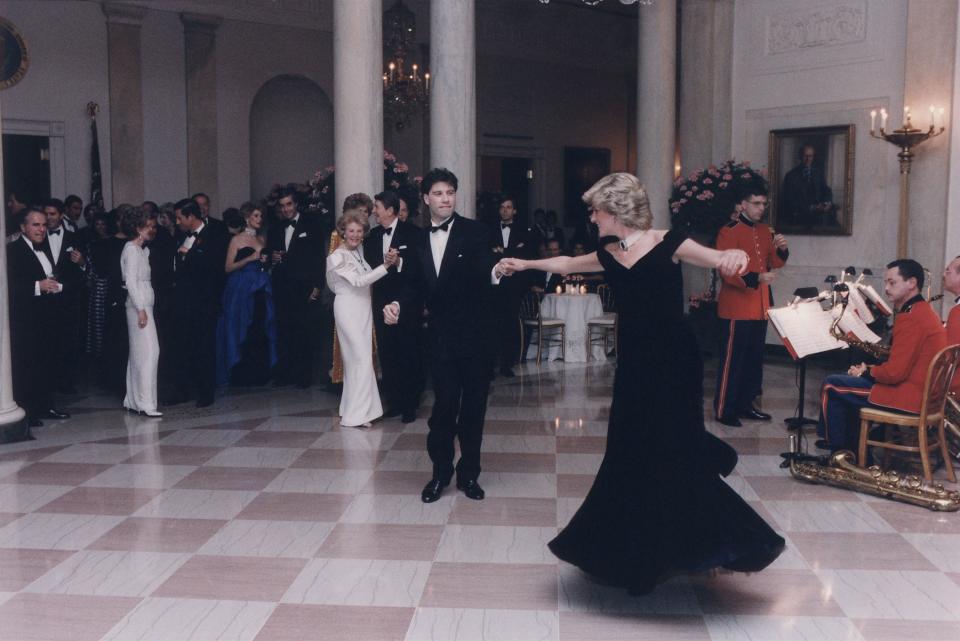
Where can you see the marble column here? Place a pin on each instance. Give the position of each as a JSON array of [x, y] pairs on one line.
[[199, 37], [13, 426], [126, 101], [358, 96], [656, 104], [453, 97]]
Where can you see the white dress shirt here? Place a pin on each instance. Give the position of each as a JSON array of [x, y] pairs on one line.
[[56, 242], [190, 240], [47, 267], [388, 238], [438, 243], [288, 232], [505, 234]]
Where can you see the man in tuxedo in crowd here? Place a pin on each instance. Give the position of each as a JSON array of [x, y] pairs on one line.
[[34, 295], [457, 270], [397, 345], [199, 277], [547, 281], [215, 224], [73, 213], [510, 240], [69, 266], [296, 245]]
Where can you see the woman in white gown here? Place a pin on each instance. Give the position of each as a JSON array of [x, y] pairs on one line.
[[349, 277], [141, 396]]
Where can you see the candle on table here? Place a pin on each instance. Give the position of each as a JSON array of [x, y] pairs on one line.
[[873, 119]]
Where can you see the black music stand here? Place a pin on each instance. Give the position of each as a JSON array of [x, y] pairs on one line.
[[797, 422]]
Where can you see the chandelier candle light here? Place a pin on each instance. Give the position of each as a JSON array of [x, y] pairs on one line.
[[906, 138], [404, 92]]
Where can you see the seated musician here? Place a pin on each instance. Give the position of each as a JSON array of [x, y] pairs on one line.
[[951, 284], [896, 384]]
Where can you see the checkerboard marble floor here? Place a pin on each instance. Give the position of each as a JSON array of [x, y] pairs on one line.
[[257, 519]]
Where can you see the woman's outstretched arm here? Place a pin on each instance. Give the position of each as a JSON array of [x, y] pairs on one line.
[[556, 265]]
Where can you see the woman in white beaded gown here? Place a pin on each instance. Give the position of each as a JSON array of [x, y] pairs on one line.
[[141, 396], [349, 277]]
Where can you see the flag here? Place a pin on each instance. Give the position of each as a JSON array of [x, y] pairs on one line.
[[96, 181]]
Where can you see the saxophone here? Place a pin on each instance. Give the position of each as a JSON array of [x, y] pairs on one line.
[[840, 471], [876, 350]]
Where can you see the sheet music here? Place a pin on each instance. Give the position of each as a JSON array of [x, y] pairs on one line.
[[860, 306], [875, 298], [806, 326], [851, 323]]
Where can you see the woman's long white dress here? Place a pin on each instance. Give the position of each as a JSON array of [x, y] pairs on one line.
[[349, 278], [144, 348]]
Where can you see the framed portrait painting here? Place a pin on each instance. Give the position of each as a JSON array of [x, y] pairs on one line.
[[811, 180]]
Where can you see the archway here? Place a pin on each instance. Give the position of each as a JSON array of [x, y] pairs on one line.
[[291, 132]]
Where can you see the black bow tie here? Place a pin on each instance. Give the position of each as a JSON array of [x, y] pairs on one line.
[[506, 225], [192, 234], [289, 223], [445, 226], [387, 231], [55, 232]]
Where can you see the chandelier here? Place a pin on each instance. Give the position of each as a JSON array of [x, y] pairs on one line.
[[405, 91]]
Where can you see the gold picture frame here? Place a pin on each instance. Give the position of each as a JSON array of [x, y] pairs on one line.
[[811, 180], [13, 55]]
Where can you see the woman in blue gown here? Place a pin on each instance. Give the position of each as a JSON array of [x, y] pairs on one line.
[[246, 331], [658, 506]]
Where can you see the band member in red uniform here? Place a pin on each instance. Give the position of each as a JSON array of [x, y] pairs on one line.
[[896, 384], [951, 284], [743, 304]]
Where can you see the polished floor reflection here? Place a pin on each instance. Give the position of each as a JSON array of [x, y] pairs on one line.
[[257, 519]]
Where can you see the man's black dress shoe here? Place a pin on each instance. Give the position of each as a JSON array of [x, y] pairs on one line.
[[755, 415], [52, 413], [730, 421], [408, 417], [432, 490], [471, 489], [506, 372]]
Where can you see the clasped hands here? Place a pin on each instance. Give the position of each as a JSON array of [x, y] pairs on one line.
[[392, 257]]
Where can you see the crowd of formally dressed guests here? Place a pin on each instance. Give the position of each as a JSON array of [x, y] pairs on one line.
[[163, 304]]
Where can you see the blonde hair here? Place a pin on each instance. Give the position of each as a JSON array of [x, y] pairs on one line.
[[621, 195], [357, 215]]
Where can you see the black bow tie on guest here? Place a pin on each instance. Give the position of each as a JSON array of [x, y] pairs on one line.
[[445, 226], [388, 231], [506, 225], [55, 232], [192, 234], [288, 223]]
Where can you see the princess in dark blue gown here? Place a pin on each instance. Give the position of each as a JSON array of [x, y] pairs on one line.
[[246, 331]]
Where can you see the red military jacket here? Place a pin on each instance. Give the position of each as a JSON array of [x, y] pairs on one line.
[[918, 335], [953, 338], [745, 297]]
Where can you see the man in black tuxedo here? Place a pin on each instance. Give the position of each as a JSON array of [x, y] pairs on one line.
[[457, 269], [510, 240], [199, 278], [297, 251], [215, 224], [397, 345], [34, 298], [69, 264], [546, 282]]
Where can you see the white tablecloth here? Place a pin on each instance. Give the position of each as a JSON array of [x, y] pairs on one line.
[[574, 310]]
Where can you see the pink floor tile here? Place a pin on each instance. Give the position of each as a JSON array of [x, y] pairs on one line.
[[491, 586], [574, 485], [296, 506], [337, 623], [858, 551], [770, 592], [382, 541], [55, 473], [519, 428], [137, 439], [277, 439], [8, 517], [19, 567], [232, 578], [396, 482], [229, 478], [30, 455], [110, 501], [340, 459], [410, 442], [581, 444], [175, 455], [519, 462], [910, 518], [242, 424], [590, 626], [158, 535], [61, 617], [505, 511]]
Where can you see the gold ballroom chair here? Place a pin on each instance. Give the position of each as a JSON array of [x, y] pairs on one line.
[[603, 329], [931, 418], [546, 329]]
